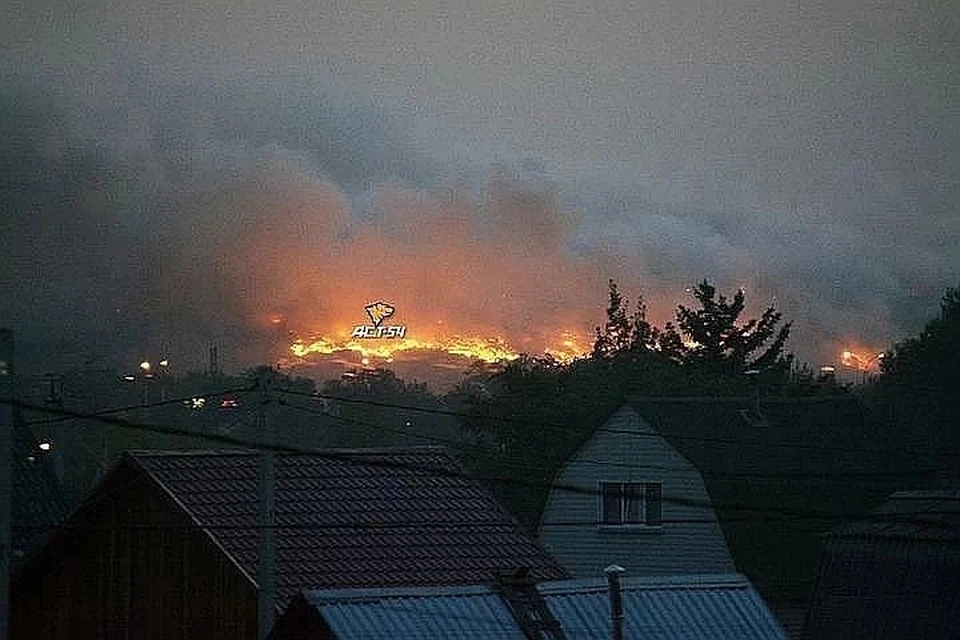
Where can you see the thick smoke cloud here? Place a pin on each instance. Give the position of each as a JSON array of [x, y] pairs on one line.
[[174, 175], [136, 228]]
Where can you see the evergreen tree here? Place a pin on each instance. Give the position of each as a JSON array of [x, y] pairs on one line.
[[718, 338], [623, 332], [920, 379]]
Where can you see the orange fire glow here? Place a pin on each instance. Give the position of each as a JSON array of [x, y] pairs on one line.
[[862, 361], [480, 277], [485, 349]]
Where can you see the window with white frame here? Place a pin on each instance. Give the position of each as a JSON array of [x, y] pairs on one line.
[[631, 503]]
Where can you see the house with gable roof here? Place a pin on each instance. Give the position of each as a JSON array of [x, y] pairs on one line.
[[628, 497], [166, 545]]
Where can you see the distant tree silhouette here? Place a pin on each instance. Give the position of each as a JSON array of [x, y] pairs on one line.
[[920, 379], [534, 412], [714, 335], [624, 332], [718, 337]]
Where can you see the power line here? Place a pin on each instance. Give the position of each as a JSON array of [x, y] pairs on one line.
[[601, 429], [705, 439], [357, 457], [822, 477], [139, 407], [755, 475], [917, 518]]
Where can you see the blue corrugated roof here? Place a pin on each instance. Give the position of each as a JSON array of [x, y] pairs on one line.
[[694, 607], [449, 613], [703, 607]]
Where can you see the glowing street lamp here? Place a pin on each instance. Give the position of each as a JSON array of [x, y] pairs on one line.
[[855, 361], [860, 363], [145, 366]]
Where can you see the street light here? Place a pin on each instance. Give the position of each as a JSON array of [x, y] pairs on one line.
[[860, 363], [164, 368], [145, 367]]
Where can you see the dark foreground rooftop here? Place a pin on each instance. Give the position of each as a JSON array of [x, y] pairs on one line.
[[689, 607], [352, 518]]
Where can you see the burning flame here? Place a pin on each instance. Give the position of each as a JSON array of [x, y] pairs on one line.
[[490, 350]]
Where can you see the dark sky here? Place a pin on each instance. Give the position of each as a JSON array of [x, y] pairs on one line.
[[172, 173]]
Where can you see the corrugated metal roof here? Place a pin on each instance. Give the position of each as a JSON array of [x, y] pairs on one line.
[[900, 579], [702, 607], [694, 607], [450, 613], [917, 515]]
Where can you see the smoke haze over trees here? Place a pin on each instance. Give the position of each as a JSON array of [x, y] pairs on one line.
[[173, 174]]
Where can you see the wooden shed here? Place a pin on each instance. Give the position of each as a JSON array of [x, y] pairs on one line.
[[166, 545]]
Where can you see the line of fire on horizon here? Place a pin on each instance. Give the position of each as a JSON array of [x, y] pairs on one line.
[[385, 341]]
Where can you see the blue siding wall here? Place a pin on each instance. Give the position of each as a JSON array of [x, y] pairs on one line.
[[627, 449]]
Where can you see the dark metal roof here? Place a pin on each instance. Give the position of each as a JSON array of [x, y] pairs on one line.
[[911, 515], [688, 607], [353, 518], [809, 456], [445, 613], [895, 576]]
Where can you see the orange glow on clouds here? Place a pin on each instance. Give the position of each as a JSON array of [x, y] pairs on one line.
[[485, 277]]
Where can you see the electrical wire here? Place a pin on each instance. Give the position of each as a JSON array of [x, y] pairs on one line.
[[357, 457], [602, 429], [820, 477], [140, 407], [915, 518]]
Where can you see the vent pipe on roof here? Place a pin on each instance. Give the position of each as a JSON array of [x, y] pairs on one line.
[[616, 599]]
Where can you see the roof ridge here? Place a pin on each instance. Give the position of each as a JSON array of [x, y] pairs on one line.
[[640, 583], [329, 596], [547, 587]]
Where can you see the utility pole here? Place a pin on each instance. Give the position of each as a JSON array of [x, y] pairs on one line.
[[6, 477], [266, 571]]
